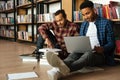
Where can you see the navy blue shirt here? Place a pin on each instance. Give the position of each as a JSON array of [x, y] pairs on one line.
[[105, 36]]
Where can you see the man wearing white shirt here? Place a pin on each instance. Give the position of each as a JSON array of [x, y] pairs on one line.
[[101, 38]]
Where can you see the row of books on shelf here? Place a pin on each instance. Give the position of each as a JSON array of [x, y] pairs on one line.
[[6, 32], [6, 20], [109, 11], [47, 17], [6, 5], [24, 18], [23, 35], [77, 16], [22, 2]]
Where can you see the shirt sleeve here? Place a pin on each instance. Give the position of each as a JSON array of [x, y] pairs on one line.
[[110, 38], [42, 29], [77, 30]]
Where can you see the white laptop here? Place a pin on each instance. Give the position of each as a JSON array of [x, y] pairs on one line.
[[77, 44]]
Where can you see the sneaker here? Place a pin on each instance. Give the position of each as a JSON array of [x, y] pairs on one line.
[[54, 74], [55, 61]]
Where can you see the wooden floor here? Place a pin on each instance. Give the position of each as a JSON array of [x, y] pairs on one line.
[[10, 62]]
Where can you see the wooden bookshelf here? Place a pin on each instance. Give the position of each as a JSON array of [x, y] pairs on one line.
[[7, 22], [68, 5], [22, 19], [43, 9]]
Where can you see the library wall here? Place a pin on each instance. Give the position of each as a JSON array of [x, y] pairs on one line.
[[67, 6]]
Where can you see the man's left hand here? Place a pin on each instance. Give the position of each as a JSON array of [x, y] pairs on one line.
[[98, 49]]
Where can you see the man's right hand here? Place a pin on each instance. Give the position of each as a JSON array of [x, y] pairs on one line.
[[48, 42]]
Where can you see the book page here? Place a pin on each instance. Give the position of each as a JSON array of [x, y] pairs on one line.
[[49, 49]]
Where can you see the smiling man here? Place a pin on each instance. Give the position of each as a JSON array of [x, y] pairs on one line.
[[101, 35], [61, 28]]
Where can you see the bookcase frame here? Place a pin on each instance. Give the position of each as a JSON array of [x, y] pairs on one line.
[[22, 10], [6, 12], [40, 10]]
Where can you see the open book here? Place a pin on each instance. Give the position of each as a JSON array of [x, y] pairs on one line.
[[49, 49], [24, 75]]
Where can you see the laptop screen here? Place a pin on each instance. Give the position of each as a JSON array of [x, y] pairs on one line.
[[77, 44]]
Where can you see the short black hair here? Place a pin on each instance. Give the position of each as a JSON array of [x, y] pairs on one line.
[[62, 12], [86, 4]]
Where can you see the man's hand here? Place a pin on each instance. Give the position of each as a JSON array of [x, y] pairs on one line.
[[98, 49], [48, 42]]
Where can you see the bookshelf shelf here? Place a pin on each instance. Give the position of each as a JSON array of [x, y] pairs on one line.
[[78, 21], [7, 37], [48, 1], [27, 5], [7, 11], [43, 22], [24, 23], [115, 20], [24, 40], [6, 24]]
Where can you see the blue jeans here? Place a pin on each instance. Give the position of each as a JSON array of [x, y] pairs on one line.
[[76, 61]]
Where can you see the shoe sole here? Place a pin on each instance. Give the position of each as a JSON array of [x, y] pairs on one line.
[[49, 56], [55, 61]]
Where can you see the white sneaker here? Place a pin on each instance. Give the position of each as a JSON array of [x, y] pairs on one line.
[[55, 61], [54, 74]]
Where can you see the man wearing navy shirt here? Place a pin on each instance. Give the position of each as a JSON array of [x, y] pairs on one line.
[[102, 41]]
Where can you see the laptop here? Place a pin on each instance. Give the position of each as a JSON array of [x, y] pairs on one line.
[[77, 44]]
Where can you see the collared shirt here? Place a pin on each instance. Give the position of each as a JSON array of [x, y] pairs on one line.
[[70, 29]]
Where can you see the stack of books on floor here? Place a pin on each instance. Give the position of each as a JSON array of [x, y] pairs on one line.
[[32, 57]]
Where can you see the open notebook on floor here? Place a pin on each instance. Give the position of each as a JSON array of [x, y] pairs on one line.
[[77, 44]]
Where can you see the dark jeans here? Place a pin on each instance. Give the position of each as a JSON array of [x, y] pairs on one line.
[[40, 44], [52, 38], [76, 61]]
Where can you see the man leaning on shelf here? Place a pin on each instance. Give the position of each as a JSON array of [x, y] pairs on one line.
[[102, 41]]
